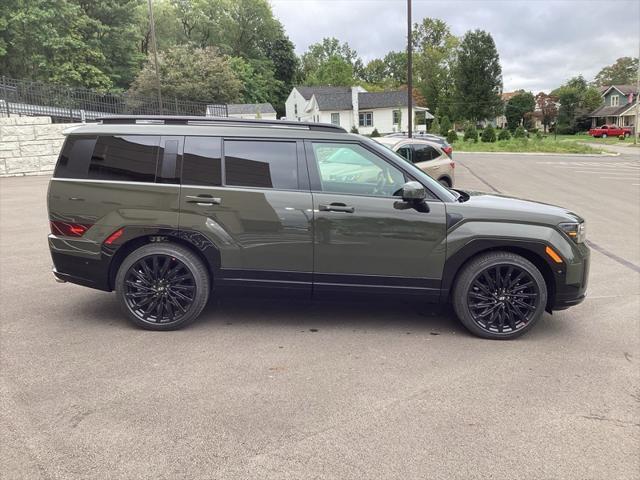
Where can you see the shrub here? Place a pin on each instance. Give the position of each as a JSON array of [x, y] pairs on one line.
[[445, 126], [452, 136], [435, 126], [488, 134], [471, 134], [504, 135], [519, 133], [375, 133], [354, 129], [538, 135]]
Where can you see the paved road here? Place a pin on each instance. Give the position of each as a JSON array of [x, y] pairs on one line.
[[264, 390]]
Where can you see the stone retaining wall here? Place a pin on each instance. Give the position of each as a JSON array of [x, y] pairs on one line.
[[29, 145]]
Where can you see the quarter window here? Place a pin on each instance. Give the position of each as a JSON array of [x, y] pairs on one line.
[[125, 158], [202, 164], [352, 169], [74, 157], [406, 153], [365, 119], [262, 164]]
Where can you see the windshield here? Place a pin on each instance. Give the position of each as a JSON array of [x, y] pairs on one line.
[[433, 185]]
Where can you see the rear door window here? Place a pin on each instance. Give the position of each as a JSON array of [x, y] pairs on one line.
[[131, 158], [424, 153], [261, 164], [202, 163]]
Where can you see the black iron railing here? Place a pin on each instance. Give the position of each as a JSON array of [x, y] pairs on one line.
[[72, 104]]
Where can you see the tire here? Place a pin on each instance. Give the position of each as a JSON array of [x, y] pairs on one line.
[[627, 134], [444, 182], [162, 286], [604, 135], [512, 304]]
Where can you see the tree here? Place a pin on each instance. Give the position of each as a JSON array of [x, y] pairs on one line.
[[188, 73], [518, 107], [445, 126], [435, 126], [547, 105], [375, 72], [577, 99], [478, 77], [396, 63], [623, 71], [333, 71], [330, 53], [435, 48], [258, 82]]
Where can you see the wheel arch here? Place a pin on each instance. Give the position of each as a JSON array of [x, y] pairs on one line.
[[447, 178], [136, 237], [531, 250]]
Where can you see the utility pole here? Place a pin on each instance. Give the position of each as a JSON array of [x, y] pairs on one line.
[[152, 25], [409, 72]]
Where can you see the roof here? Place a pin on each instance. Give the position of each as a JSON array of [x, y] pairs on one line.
[[506, 96], [334, 101], [249, 108], [308, 92], [623, 89], [608, 111], [396, 98]]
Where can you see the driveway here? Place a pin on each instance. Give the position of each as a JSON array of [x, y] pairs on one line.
[[261, 389]]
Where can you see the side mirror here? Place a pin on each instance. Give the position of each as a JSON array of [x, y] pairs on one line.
[[413, 192]]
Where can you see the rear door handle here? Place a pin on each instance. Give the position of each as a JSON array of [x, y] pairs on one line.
[[203, 200], [336, 207]]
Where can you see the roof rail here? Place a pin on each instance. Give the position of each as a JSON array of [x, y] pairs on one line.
[[217, 121]]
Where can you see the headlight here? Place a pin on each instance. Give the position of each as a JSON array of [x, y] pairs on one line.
[[576, 231]]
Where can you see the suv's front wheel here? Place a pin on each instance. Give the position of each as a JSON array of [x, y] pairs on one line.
[[162, 286], [499, 295]]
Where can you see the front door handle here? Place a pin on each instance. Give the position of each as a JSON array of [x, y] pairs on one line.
[[336, 207], [203, 200]]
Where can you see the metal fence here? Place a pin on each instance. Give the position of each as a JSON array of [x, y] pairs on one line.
[[69, 104]]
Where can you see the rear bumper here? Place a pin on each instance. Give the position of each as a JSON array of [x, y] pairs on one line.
[[82, 267]]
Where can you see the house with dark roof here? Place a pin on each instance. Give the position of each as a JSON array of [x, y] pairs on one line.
[[353, 107], [247, 110], [619, 106]]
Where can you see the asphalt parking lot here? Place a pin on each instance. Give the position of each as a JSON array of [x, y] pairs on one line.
[[267, 389]]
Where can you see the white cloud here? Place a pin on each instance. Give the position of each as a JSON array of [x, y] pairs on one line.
[[541, 43]]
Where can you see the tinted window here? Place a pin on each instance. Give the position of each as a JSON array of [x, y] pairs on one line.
[[201, 164], [261, 164], [350, 168], [424, 153], [169, 162], [406, 153], [74, 157], [125, 158]]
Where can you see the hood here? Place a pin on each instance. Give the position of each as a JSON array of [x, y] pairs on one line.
[[485, 206]]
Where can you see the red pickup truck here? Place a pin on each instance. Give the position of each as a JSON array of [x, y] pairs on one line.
[[605, 131]]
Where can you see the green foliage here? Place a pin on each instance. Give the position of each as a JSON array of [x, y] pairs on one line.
[[520, 132], [539, 135], [197, 74], [517, 108], [258, 82], [331, 63], [354, 129], [375, 133], [333, 71], [470, 134], [478, 77], [452, 136], [396, 63], [435, 51], [488, 134], [435, 126], [577, 99], [623, 71], [445, 126], [504, 134]]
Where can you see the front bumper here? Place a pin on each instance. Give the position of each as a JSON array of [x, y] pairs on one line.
[[573, 287]]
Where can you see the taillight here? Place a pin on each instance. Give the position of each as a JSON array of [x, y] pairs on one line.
[[67, 229]]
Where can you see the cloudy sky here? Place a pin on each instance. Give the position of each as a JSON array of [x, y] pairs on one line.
[[541, 42]]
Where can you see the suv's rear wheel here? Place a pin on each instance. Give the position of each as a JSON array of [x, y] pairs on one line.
[[499, 295], [162, 286]]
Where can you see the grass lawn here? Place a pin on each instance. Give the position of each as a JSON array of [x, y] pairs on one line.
[[587, 138], [520, 145]]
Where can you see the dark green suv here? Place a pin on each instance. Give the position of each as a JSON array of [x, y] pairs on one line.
[[167, 210]]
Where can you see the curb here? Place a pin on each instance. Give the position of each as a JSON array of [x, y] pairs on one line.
[[542, 154]]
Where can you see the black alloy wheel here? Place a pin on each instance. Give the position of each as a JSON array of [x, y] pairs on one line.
[[162, 286], [499, 295], [159, 288], [503, 298]]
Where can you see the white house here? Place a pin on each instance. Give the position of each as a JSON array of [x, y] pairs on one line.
[[247, 110], [352, 106]]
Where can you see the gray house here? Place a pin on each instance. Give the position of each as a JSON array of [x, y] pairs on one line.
[[619, 106]]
